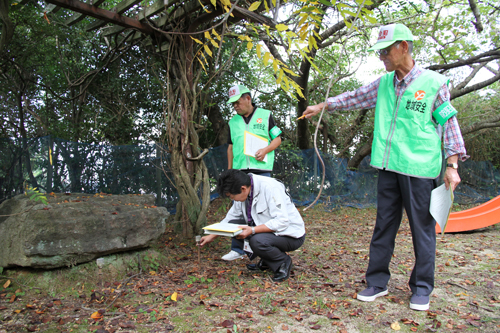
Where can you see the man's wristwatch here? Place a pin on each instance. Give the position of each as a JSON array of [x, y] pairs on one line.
[[253, 230], [452, 165]]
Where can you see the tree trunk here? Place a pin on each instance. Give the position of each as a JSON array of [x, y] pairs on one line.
[[219, 125], [26, 152], [360, 154], [7, 24], [190, 174]]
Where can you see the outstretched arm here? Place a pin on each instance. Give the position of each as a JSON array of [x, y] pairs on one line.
[[313, 110], [207, 239], [364, 97]]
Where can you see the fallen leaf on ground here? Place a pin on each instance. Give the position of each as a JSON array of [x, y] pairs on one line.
[[395, 326], [96, 315], [473, 322], [330, 315], [6, 284]]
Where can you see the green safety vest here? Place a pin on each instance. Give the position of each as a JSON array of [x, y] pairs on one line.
[[258, 125], [405, 138]]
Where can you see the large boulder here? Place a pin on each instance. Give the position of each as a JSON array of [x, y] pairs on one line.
[[76, 228]]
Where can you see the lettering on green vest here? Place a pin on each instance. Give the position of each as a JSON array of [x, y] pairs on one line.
[[416, 106], [258, 127]]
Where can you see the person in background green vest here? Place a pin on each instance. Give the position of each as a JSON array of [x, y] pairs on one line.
[[257, 121], [412, 111]]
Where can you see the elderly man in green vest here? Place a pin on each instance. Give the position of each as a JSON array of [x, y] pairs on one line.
[[257, 123], [412, 111]]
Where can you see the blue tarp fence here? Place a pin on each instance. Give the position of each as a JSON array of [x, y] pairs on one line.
[[55, 165]]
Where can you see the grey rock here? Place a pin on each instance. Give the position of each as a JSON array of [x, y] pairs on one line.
[[76, 228]]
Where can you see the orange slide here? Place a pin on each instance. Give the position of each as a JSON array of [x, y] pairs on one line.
[[475, 218]]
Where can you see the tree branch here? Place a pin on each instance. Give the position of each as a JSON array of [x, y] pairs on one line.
[[480, 58], [488, 123], [475, 11], [475, 70], [457, 93]]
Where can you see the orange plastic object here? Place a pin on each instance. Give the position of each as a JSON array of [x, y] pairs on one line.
[[478, 217]]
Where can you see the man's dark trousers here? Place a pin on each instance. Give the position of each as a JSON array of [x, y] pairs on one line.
[[395, 192], [271, 248]]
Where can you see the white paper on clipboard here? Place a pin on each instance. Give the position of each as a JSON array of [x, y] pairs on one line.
[[440, 207], [253, 143]]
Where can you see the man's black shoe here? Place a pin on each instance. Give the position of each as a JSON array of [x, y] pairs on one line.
[[283, 272], [258, 266]]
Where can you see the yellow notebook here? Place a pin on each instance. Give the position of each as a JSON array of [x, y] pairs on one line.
[[223, 229]]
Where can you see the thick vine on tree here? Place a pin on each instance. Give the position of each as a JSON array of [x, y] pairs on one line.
[[186, 161]]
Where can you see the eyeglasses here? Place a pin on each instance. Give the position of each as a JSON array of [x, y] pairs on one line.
[[386, 51]]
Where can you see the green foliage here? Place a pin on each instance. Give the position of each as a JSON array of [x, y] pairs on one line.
[[35, 195], [476, 108], [299, 40], [73, 87], [153, 314], [152, 262], [224, 207]]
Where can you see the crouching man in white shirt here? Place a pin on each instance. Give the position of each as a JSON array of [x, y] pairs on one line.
[[274, 225]]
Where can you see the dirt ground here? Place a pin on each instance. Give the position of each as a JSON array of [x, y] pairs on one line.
[[166, 289]]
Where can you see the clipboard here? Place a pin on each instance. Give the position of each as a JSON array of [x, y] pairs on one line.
[[252, 143], [440, 207]]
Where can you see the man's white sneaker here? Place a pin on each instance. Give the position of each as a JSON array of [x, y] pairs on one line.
[[233, 255], [419, 302]]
